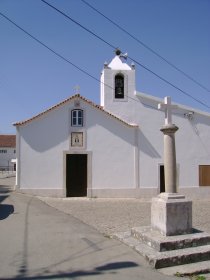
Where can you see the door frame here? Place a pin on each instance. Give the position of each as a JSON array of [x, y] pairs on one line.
[[160, 165], [89, 170]]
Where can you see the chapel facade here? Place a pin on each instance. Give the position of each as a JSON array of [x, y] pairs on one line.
[[115, 149]]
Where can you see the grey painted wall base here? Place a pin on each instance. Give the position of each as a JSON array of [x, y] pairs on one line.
[[171, 214], [146, 193], [42, 192], [139, 193], [196, 192]]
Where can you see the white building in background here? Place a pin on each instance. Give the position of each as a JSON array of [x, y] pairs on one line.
[[7, 152], [78, 148]]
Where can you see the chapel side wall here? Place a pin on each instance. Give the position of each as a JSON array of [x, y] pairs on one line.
[[150, 146], [41, 143], [192, 140], [113, 152], [192, 149]]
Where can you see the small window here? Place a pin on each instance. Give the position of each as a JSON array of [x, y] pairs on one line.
[[77, 117], [119, 86], [3, 151]]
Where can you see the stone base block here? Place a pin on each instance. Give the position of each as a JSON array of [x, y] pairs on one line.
[[167, 251], [171, 214], [160, 243]]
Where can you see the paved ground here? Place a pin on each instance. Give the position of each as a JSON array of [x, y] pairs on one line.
[[115, 215], [39, 242], [73, 249]]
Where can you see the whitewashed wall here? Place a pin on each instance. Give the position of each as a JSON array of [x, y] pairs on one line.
[[113, 146], [5, 158], [192, 139], [191, 142], [43, 142]]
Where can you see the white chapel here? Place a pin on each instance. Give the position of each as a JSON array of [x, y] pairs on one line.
[[115, 149]]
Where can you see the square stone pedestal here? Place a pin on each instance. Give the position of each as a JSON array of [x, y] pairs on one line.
[[171, 214], [170, 244]]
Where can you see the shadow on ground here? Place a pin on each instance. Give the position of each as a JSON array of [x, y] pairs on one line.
[[108, 268], [5, 210]]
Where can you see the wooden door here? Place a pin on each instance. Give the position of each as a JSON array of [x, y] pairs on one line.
[[204, 175], [76, 175]]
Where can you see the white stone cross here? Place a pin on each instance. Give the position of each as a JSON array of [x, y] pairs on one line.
[[167, 107]]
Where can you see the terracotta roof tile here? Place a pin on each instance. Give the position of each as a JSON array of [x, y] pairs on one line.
[[76, 96], [8, 141]]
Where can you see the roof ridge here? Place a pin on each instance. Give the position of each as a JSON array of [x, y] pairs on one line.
[[67, 100]]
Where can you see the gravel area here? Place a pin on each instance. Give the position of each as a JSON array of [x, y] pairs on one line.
[[117, 215], [106, 215]]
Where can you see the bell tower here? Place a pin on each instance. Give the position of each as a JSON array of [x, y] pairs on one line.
[[117, 85]]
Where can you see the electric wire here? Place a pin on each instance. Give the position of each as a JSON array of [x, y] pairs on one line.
[[146, 46], [77, 23], [50, 49], [134, 60], [169, 83], [87, 73], [60, 56]]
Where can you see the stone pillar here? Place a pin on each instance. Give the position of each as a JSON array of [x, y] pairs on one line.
[[169, 157], [171, 213]]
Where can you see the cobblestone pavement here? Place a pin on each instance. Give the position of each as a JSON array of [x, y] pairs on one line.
[[115, 215]]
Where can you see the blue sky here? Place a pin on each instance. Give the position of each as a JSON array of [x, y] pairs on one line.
[[33, 79]]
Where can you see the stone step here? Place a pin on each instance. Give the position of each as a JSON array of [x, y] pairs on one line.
[[167, 258], [162, 243], [187, 269], [175, 257]]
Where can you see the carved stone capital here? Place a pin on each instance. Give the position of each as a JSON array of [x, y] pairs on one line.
[[169, 129]]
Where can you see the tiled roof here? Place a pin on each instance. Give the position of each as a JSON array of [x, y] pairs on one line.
[[7, 141], [76, 96]]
